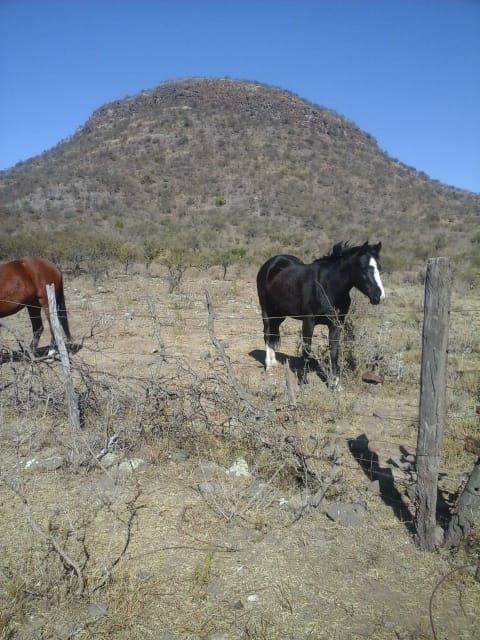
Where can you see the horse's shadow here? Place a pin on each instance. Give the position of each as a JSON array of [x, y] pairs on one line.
[[296, 364], [40, 354]]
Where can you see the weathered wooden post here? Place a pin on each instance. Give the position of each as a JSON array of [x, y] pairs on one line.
[[71, 396], [438, 286]]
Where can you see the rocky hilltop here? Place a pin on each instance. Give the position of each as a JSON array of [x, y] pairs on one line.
[[229, 163]]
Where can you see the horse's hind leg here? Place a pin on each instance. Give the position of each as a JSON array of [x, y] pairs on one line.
[[37, 325], [53, 342], [271, 334], [334, 332]]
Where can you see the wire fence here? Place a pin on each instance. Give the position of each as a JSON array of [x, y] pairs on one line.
[[240, 326], [111, 322]]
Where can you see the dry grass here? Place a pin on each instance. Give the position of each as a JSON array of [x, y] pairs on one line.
[[247, 559]]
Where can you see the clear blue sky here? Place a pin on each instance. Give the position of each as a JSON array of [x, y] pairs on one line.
[[405, 71]]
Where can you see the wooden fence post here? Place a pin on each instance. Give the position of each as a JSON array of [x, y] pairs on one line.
[[71, 396], [438, 284]]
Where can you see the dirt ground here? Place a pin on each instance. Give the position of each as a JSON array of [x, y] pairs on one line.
[[181, 548]]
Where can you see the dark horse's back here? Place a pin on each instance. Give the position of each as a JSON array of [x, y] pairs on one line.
[[271, 268]]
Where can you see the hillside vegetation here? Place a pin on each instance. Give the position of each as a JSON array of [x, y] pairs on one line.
[[211, 165]]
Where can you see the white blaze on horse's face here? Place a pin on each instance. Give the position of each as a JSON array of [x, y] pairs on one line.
[[376, 275]]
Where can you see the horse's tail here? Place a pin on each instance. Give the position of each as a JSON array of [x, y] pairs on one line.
[[62, 311]]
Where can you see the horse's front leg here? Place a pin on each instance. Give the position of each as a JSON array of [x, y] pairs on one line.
[[334, 332], [307, 334]]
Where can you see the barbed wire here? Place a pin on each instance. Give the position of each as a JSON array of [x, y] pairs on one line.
[[230, 316]]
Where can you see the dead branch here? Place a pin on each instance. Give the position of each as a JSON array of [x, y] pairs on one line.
[[133, 512], [49, 537], [288, 383], [156, 328], [245, 397], [439, 583], [318, 497], [25, 352]]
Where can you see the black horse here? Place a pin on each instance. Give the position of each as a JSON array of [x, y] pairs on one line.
[[316, 293]]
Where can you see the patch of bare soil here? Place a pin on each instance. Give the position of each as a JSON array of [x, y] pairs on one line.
[[140, 528]]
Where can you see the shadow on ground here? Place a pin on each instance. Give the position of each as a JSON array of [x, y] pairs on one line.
[[41, 354], [369, 462], [296, 364]]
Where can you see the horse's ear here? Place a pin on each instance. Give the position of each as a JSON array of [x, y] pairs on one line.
[[337, 250], [377, 247], [364, 247]]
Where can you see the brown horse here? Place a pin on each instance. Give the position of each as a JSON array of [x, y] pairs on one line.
[[23, 283]]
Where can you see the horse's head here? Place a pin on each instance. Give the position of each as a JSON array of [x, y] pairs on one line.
[[366, 275]]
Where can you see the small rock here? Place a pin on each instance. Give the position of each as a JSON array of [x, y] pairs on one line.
[[438, 536], [109, 459], [130, 465], [95, 611], [239, 468], [208, 487], [179, 456], [253, 598], [411, 492], [398, 474], [346, 514], [372, 378], [51, 463], [298, 502]]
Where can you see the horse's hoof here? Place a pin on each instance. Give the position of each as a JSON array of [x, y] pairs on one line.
[[334, 383]]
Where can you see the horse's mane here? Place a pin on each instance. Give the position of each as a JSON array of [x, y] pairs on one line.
[[342, 250]]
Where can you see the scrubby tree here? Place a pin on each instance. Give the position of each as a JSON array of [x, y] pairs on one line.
[[227, 258], [127, 255], [151, 250], [177, 262]]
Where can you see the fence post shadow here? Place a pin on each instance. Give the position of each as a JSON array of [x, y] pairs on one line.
[[369, 463]]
